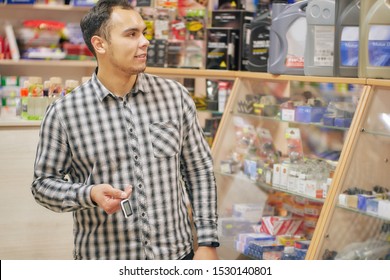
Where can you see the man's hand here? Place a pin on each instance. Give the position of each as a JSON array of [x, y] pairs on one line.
[[206, 253], [108, 198]]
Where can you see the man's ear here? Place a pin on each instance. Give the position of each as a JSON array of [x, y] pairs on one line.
[[99, 44]]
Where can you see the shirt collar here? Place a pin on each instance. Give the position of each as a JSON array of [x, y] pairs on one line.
[[141, 86]]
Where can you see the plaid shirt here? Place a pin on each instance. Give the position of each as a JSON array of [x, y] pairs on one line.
[[150, 139]]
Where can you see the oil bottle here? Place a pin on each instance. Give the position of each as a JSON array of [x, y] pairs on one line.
[[320, 15], [374, 52], [287, 38], [258, 34], [346, 51]]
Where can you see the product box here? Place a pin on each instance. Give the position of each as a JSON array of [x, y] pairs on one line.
[[244, 239], [372, 206], [264, 250], [328, 120], [288, 240], [276, 225], [221, 49], [151, 54], [248, 211], [287, 114], [363, 201], [348, 200], [20, 1], [161, 47], [239, 20], [384, 209], [88, 3], [175, 56], [308, 114], [342, 122], [230, 4], [228, 227], [276, 175], [302, 244], [284, 174]]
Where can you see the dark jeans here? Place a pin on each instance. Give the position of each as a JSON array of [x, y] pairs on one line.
[[190, 256]]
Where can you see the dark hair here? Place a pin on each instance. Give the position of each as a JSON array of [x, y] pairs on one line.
[[96, 21]]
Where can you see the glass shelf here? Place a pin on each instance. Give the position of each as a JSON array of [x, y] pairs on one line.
[[363, 213], [268, 187], [289, 122]]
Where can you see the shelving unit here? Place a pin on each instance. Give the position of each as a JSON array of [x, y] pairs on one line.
[[237, 188], [343, 229]]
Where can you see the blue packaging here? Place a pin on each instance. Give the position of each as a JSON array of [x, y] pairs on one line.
[[328, 120], [308, 114], [379, 45], [20, 1], [342, 122]]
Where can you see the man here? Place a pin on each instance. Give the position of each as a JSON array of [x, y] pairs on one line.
[[126, 134]]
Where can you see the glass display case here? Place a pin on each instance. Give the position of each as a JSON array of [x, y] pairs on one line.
[[275, 154], [357, 223]]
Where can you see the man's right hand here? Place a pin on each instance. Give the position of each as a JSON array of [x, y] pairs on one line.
[[108, 198]]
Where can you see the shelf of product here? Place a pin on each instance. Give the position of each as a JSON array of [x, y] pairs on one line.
[[357, 224], [286, 136]]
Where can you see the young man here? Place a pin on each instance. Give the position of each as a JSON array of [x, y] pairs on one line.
[[127, 135]]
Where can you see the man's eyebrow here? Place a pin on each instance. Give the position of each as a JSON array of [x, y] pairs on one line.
[[134, 29]]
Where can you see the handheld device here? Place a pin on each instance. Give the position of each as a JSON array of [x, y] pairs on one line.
[[126, 208]]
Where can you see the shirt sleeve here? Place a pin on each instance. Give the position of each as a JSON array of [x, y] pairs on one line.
[[50, 187], [198, 175]]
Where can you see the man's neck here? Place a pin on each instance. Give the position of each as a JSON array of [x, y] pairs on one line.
[[118, 85]]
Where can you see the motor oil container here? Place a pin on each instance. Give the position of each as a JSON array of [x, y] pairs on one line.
[[346, 46], [374, 52], [258, 40], [287, 38], [320, 16]]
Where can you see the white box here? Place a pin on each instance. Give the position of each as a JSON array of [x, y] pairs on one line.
[[284, 174], [276, 175]]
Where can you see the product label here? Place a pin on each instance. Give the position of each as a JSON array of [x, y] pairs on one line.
[[296, 40], [259, 44], [349, 46], [323, 45], [379, 45]]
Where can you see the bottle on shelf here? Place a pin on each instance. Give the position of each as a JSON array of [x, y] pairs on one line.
[[287, 38], [320, 37], [259, 39]]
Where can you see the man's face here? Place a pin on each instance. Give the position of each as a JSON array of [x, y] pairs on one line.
[[127, 46]]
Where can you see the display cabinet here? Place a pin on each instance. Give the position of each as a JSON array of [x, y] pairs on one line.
[[275, 155], [356, 222]]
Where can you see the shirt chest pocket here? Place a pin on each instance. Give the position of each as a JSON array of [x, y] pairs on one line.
[[165, 138]]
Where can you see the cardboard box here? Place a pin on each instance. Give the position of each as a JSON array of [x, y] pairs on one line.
[[264, 250], [239, 20], [308, 114], [248, 211], [363, 201], [287, 114], [221, 51], [384, 209], [275, 225], [372, 206]]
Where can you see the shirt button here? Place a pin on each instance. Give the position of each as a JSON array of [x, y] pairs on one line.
[[140, 186]]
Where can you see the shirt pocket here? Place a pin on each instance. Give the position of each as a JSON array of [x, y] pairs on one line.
[[165, 138]]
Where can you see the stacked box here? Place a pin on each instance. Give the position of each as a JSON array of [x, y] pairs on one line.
[[221, 52], [238, 20]]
